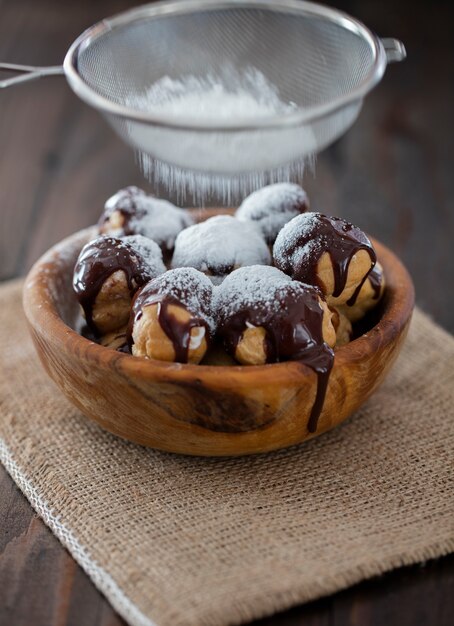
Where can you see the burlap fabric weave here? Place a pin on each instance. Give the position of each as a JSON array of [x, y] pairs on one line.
[[176, 541]]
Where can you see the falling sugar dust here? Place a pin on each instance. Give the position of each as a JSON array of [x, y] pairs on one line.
[[211, 145]]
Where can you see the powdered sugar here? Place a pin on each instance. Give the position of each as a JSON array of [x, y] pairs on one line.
[[157, 219], [219, 245], [188, 286], [249, 287], [249, 96], [286, 252], [148, 250], [230, 188], [162, 221], [273, 206], [124, 198], [216, 160]]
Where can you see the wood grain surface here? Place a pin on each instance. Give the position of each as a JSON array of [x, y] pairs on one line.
[[391, 174]]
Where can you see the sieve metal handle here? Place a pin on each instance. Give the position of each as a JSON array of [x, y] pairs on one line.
[[26, 73], [394, 49]]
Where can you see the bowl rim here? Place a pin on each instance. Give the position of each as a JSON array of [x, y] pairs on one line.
[[43, 316]]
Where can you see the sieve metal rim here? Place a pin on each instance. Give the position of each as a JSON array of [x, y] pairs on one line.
[[166, 8]]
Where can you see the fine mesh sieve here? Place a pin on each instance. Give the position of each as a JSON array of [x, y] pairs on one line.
[[319, 59]]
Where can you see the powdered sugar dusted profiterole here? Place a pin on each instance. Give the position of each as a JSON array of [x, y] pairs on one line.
[[260, 361], [220, 245], [282, 101], [272, 207], [172, 318], [132, 212]]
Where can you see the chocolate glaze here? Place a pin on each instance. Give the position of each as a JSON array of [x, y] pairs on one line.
[[98, 260], [375, 278], [125, 202], [351, 301], [177, 331], [334, 235], [293, 333]]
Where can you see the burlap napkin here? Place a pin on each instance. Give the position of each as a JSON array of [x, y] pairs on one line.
[[178, 541]]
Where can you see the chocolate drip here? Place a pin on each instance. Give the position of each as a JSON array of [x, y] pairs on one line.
[[100, 259], [178, 332], [293, 333], [352, 300], [334, 235], [375, 277]]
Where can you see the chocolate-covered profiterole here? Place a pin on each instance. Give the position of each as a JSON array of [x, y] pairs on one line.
[[107, 274], [327, 252], [132, 212], [219, 245], [265, 317], [172, 317], [271, 207]]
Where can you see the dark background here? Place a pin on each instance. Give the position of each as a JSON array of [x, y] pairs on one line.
[[392, 174]]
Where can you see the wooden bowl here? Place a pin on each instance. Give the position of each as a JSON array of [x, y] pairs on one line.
[[202, 409]]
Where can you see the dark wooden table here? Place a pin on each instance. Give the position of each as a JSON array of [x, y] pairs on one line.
[[392, 174]]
